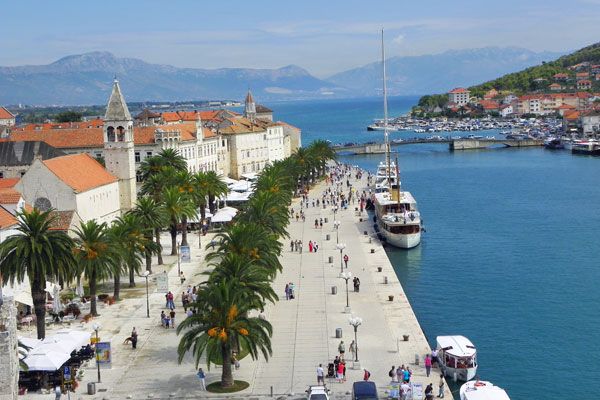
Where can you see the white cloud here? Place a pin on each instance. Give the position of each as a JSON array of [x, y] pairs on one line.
[[398, 39]]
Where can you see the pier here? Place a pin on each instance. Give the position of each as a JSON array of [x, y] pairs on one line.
[[453, 144]]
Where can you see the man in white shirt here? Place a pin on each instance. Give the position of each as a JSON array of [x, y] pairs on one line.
[[404, 391], [320, 375]]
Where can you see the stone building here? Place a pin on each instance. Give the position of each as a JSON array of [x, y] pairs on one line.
[[16, 157], [9, 370]]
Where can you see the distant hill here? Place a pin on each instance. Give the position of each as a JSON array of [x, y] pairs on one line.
[[87, 79], [439, 72], [540, 77]]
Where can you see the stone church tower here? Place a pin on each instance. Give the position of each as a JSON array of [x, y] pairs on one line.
[[119, 154], [250, 107]]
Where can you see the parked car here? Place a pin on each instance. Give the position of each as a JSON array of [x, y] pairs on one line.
[[364, 390], [319, 392]]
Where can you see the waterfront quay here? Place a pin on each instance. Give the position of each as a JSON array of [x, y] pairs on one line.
[[304, 328]]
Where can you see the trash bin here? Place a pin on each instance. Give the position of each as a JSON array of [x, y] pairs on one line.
[[327, 237], [334, 290], [338, 333], [330, 259], [91, 387], [326, 220]]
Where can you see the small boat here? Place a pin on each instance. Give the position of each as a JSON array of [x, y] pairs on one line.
[[482, 390], [457, 357], [590, 148], [554, 144]]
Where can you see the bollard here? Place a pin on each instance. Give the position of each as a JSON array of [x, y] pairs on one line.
[[365, 232], [271, 391], [338, 333], [370, 240], [385, 280], [416, 359], [379, 269], [327, 237], [334, 290], [330, 259], [372, 251], [326, 220]]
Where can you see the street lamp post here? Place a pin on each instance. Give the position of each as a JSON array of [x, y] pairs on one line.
[[355, 322], [346, 275], [336, 225], [146, 274], [96, 327], [341, 247]]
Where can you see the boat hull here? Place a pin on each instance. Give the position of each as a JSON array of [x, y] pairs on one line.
[[462, 374], [403, 241]]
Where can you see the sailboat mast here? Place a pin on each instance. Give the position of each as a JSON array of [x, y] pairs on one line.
[[385, 115], [398, 183]]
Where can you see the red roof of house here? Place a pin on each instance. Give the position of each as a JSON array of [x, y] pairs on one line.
[[8, 182], [5, 114], [489, 104], [584, 82], [561, 75], [458, 90], [571, 115], [9, 196], [6, 218], [80, 171]]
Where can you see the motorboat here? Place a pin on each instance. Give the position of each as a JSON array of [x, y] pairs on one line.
[[457, 357], [553, 143], [482, 390], [586, 147]]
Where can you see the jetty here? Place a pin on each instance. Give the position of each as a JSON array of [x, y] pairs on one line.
[[453, 144]]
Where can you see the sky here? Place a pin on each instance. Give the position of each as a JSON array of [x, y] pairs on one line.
[[325, 36]]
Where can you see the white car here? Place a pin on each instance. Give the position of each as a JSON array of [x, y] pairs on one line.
[[317, 393]]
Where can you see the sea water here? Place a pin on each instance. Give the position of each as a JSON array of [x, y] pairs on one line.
[[510, 256]]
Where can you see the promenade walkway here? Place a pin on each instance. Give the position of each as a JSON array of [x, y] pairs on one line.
[[304, 328]]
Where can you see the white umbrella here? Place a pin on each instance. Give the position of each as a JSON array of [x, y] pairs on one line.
[[46, 360], [52, 344], [56, 299], [225, 214], [79, 338], [30, 342]]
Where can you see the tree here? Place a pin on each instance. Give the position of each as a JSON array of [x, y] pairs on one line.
[[222, 321], [39, 254], [68, 116], [322, 152], [177, 206], [150, 215], [96, 256]]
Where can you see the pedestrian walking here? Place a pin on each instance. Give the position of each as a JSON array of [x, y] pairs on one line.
[[392, 373], [134, 338], [292, 245], [441, 387], [181, 277], [310, 246], [434, 358], [57, 392], [172, 313], [321, 222], [170, 303], [287, 291], [315, 246], [429, 392], [342, 349], [352, 349], [316, 223], [320, 375], [202, 377], [340, 372], [346, 260], [366, 375], [427, 364]]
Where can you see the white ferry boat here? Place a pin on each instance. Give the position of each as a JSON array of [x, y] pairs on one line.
[[385, 177], [398, 218], [457, 357], [482, 390]]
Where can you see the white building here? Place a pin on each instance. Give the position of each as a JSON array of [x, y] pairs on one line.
[[6, 117], [76, 183], [459, 96]]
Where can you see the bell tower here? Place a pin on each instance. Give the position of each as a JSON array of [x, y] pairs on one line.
[[250, 107], [119, 154]]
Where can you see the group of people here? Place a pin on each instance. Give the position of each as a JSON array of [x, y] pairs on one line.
[[290, 291]]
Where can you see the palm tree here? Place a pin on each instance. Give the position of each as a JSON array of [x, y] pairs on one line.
[[40, 254], [177, 205], [267, 210], [97, 257], [322, 152], [222, 322], [151, 215], [172, 158], [252, 242], [305, 160], [215, 187], [132, 240], [185, 184]]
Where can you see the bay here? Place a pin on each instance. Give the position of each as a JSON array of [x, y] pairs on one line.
[[510, 255]]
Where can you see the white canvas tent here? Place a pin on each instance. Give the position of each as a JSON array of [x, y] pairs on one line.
[[78, 338], [225, 214], [45, 360]]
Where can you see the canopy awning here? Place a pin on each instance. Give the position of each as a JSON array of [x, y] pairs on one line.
[[78, 338], [237, 196], [196, 219], [225, 214], [45, 360], [20, 292], [241, 186]]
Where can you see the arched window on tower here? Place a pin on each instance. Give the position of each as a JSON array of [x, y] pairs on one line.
[[110, 134], [121, 134]]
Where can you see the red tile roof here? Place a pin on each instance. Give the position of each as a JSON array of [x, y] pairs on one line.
[[5, 114], [458, 90], [489, 104], [8, 182], [9, 196], [80, 171], [6, 219]]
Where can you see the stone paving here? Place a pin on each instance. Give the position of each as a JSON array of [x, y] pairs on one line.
[[304, 328]]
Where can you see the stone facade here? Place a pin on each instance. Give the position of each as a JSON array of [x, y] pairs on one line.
[[9, 361]]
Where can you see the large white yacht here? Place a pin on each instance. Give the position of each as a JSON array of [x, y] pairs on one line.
[[457, 357], [398, 219], [482, 390]]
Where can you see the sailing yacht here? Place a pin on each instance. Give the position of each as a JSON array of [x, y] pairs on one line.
[[396, 211]]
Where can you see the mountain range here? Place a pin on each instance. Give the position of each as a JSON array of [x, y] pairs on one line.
[[87, 78]]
